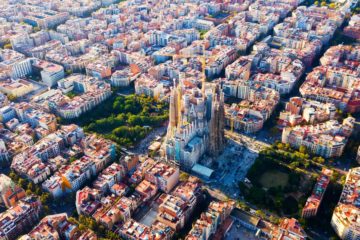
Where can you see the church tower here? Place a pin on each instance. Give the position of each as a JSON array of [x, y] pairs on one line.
[[216, 131]]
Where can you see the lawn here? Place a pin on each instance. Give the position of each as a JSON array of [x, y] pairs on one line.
[[274, 178]]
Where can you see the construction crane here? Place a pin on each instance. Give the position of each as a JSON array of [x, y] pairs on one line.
[[202, 59]]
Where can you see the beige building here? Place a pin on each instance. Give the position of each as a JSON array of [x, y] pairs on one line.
[[346, 216], [16, 88]]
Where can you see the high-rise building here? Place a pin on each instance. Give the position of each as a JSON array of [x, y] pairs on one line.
[[326, 139], [10, 193], [17, 219], [346, 216], [313, 202]]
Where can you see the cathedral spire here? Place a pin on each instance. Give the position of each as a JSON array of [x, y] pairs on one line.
[[217, 138]]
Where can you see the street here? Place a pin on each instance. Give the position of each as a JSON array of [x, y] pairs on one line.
[[249, 142], [142, 147]]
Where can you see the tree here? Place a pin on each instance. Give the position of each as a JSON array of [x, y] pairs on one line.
[[8, 46], [343, 180], [46, 209], [184, 176], [152, 154], [303, 222], [243, 206], [280, 146], [72, 159], [306, 164], [302, 149], [82, 227], [36, 29], [37, 190], [72, 220], [257, 194], [11, 97], [68, 72], [100, 229], [275, 191], [335, 176], [202, 33], [71, 95], [323, 4], [294, 165], [111, 235], [30, 186], [45, 198], [274, 220], [22, 183], [320, 160], [123, 119], [13, 176], [290, 205], [260, 213], [332, 5]]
